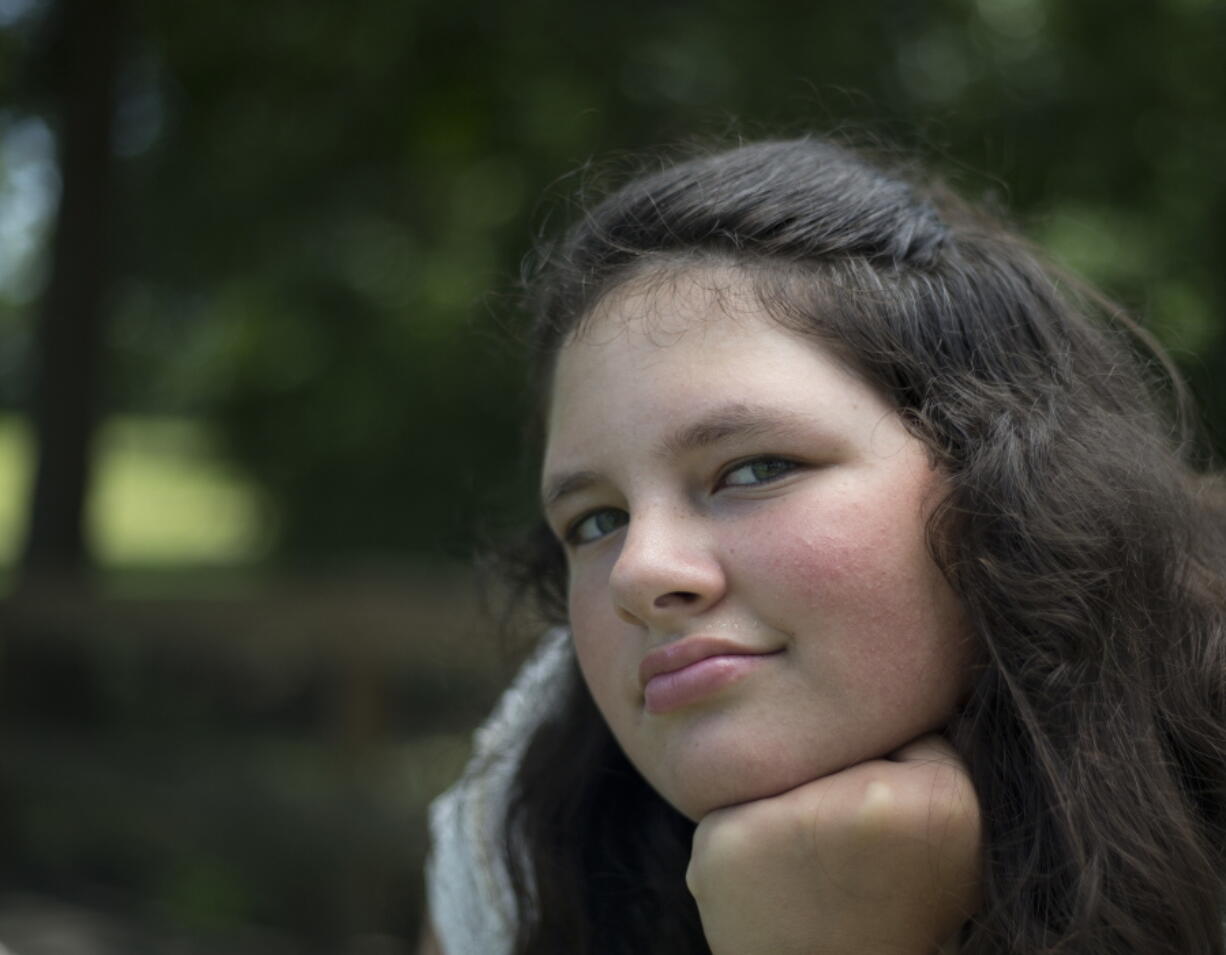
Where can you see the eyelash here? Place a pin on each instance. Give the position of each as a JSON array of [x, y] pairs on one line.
[[572, 532], [790, 466], [571, 535]]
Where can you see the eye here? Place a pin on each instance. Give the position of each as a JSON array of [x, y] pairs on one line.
[[757, 471], [595, 525]]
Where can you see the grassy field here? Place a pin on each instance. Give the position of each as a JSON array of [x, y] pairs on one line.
[[162, 496]]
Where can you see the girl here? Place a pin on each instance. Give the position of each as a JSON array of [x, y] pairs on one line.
[[890, 614]]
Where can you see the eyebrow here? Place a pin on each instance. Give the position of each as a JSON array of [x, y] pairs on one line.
[[733, 420]]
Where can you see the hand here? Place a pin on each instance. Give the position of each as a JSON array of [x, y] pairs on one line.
[[883, 857]]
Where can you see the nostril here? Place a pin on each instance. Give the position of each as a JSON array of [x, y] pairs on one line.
[[675, 597]]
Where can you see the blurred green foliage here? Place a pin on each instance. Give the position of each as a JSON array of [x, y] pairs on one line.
[[324, 205]]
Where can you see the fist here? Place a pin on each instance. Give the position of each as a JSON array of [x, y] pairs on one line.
[[883, 857]]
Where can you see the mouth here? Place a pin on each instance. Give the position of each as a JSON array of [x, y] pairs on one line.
[[680, 674]]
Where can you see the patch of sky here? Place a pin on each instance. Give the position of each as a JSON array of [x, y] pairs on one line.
[[29, 193], [13, 12]]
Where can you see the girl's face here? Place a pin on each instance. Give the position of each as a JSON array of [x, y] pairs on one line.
[[751, 595]]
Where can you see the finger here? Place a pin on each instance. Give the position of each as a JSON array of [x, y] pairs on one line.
[[932, 748], [938, 767]]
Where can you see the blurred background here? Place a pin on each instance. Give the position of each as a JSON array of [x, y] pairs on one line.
[[260, 398]]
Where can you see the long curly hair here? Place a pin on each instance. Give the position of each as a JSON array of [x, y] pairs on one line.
[[1086, 548]]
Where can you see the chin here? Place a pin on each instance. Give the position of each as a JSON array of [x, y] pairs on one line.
[[696, 790], [701, 777]]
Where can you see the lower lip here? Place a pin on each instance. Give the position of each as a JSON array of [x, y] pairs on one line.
[[671, 691]]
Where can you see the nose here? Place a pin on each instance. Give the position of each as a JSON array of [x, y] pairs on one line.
[[667, 572]]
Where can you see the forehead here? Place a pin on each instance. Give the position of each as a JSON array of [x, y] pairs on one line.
[[674, 344], [663, 299], [659, 324]]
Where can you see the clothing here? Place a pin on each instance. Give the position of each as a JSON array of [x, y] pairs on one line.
[[469, 892]]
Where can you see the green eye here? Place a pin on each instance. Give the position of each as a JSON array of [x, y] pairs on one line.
[[758, 471], [596, 525]]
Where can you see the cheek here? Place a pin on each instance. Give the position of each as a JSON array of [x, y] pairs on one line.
[[594, 628], [845, 554], [854, 583]]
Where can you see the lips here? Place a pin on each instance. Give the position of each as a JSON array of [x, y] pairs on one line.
[[679, 674]]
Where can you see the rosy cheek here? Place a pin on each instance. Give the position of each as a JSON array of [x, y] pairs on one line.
[[851, 565], [820, 553]]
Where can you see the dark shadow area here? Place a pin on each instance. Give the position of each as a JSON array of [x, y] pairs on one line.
[[232, 776]]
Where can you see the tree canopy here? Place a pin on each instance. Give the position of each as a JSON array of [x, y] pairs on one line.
[[320, 209]]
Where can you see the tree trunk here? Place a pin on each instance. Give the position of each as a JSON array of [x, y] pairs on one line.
[[68, 359]]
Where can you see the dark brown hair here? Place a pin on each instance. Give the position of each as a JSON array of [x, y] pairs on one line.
[[1087, 553]]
